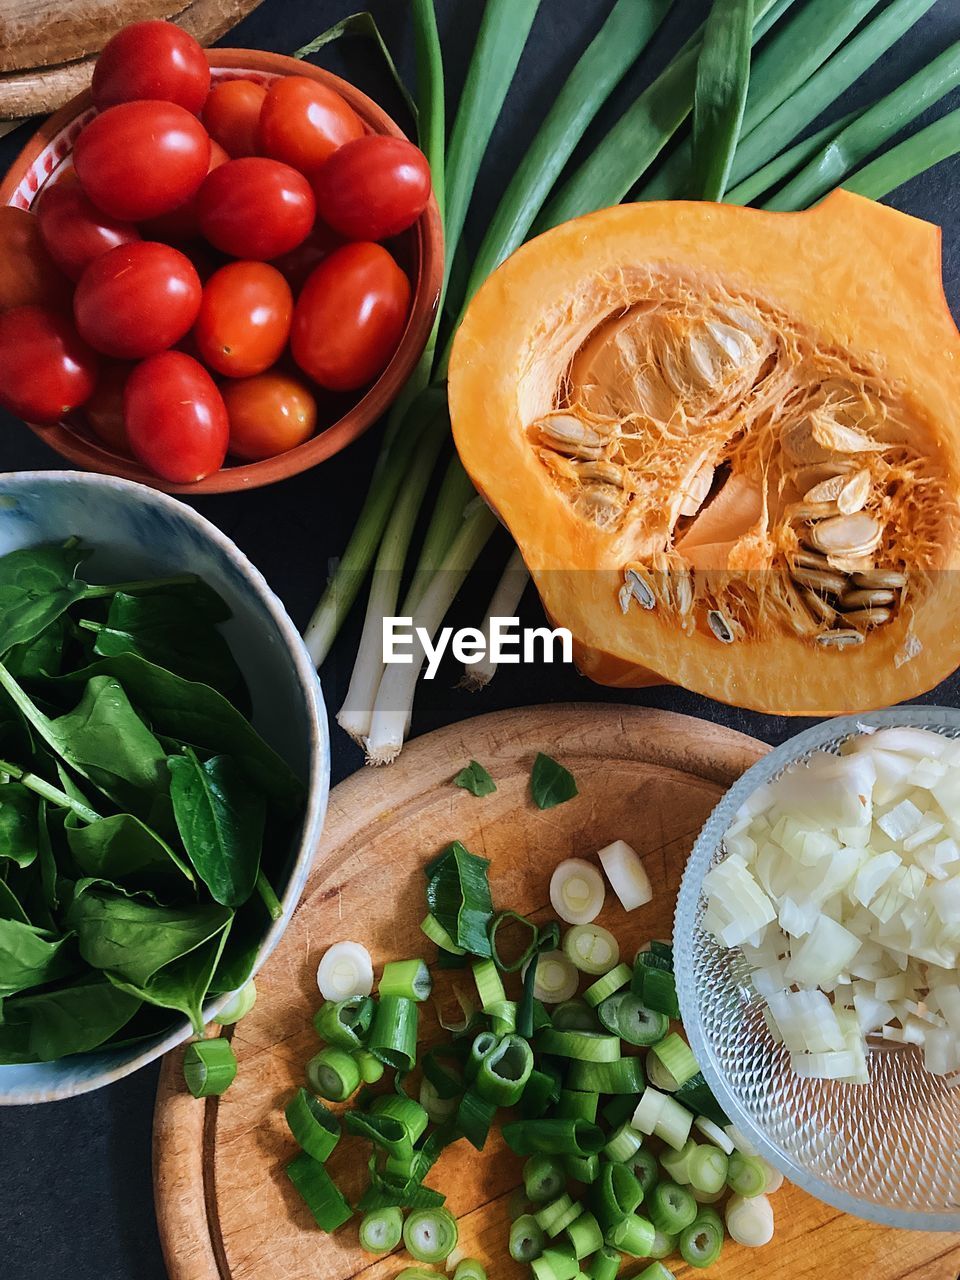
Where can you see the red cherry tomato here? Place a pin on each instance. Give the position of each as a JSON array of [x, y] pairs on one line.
[[232, 116], [244, 319], [28, 275], [299, 262], [103, 412], [74, 230], [373, 188], [303, 122], [350, 317], [182, 223], [155, 60], [46, 369], [255, 208], [176, 419], [137, 300], [141, 159], [268, 415]]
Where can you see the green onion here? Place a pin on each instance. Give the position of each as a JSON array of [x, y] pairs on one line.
[[393, 1036], [430, 1235], [633, 1236], [723, 74], [625, 1076], [384, 1131], [786, 164], [458, 887], [937, 142], [671, 1208], [585, 1169], [702, 1242], [474, 1118], [553, 1137], [585, 1235], [622, 1144], [619, 1108], [333, 1074], [440, 1110], [574, 1015], [408, 978], [659, 990], [319, 1192], [209, 1067], [573, 1105], [557, 1263], [416, 1273], [405, 1111], [655, 1272], [746, 1175], [489, 984], [556, 1216], [542, 1178], [315, 1128], [607, 985], [592, 949], [696, 1095], [676, 1164], [625, 1015], [643, 1165], [708, 1169], [673, 1123], [585, 1046], [527, 1239], [503, 1017], [370, 1068], [239, 1004], [446, 1080], [676, 1056], [504, 1072], [616, 1194], [380, 1230], [605, 1264], [508, 918], [435, 931], [345, 1023], [470, 1269], [483, 1044], [543, 1089], [469, 1019], [663, 1245]]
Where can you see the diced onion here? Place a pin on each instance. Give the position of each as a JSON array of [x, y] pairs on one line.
[[625, 871], [346, 970], [750, 1222], [576, 891]]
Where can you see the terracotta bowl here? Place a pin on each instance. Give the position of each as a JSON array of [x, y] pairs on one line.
[[419, 251]]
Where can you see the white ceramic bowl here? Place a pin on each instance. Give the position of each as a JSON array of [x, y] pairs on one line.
[[136, 532]]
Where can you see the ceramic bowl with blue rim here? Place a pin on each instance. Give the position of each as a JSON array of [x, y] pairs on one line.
[[137, 532]]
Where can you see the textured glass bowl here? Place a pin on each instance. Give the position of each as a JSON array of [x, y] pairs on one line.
[[888, 1151]]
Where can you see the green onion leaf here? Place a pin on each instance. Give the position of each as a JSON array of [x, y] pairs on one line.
[[786, 164], [393, 1036], [624, 1076], [541, 1092], [345, 1023], [616, 1194], [937, 142], [360, 24], [435, 931], [474, 1118], [697, 1096], [315, 1128], [408, 978], [504, 1072], [720, 96], [319, 1192], [507, 919], [553, 1137], [550, 783]]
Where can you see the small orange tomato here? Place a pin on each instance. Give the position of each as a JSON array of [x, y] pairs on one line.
[[244, 319], [268, 415]]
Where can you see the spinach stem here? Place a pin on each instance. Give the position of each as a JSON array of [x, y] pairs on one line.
[[48, 791], [268, 897], [98, 592]]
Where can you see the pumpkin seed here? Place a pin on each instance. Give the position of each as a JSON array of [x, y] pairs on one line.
[[603, 472], [868, 617], [837, 438], [808, 559], [720, 627], [828, 490], [684, 594], [853, 535], [865, 598], [567, 434], [840, 639], [697, 490], [853, 497], [880, 580], [850, 565], [820, 608], [639, 589], [820, 580], [812, 511]]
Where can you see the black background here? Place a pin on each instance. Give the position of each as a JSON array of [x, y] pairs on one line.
[[75, 1192]]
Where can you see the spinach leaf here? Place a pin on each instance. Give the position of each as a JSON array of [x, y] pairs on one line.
[[31, 957], [475, 779], [41, 656], [134, 937], [125, 850], [18, 824], [167, 631], [10, 906], [182, 985], [37, 585], [53, 1024], [220, 818], [550, 783], [186, 588]]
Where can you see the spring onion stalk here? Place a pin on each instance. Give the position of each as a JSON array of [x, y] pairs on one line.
[[435, 931], [786, 164], [585, 1169], [750, 1222], [416, 1273], [556, 980], [622, 1144], [676, 1164], [345, 970], [633, 1236], [319, 1193], [209, 1067], [393, 1036], [430, 1235], [713, 1133], [503, 604], [746, 1176], [576, 891], [505, 920], [625, 1076], [671, 1207], [408, 978], [702, 1242], [586, 1046], [625, 1015], [474, 1118], [616, 1194], [504, 1072], [624, 869], [527, 1239], [454, 496], [775, 1178], [861, 138], [643, 1165], [937, 142], [573, 1105], [483, 1045], [658, 990], [503, 1017], [709, 1197], [605, 1264], [591, 949], [556, 1263], [675, 1055], [657, 1271], [556, 1216], [696, 1095], [395, 696], [608, 985], [543, 1089], [315, 1128], [239, 1005], [489, 984], [388, 1134], [554, 1137], [345, 1023], [720, 95], [663, 1245], [469, 1269], [708, 1169], [574, 1015], [439, 1109], [584, 1234], [673, 1124], [407, 1113], [543, 1178], [443, 1068], [371, 1069], [380, 1230]]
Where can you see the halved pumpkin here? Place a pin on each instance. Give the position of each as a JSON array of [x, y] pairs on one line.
[[727, 443]]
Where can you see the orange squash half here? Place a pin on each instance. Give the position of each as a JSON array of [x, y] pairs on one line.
[[727, 443]]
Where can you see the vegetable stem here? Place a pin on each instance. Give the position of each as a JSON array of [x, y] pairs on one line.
[[268, 897], [938, 141], [503, 604], [48, 791], [723, 75]]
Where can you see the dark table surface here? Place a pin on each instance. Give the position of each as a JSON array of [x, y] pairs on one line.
[[75, 1193]]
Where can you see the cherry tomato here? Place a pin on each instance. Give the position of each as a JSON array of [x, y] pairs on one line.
[[141, 159], [181, 223], [303, 122], [232, 116], [255, 208], [244, 319], [155, 60], [74, 230], [46, 369], [268, 415], [350, 317], [103, 412], [28, 275], [373, 188], [299, 262], [176, 419], [137, 300]]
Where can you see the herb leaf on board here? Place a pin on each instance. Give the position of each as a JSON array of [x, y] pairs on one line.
[[550, 783], [458, 894], [475, 779]]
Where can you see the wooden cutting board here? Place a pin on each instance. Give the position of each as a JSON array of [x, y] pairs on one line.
[[225, 1209]]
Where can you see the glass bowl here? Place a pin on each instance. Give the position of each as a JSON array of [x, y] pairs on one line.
[[888, 1151]]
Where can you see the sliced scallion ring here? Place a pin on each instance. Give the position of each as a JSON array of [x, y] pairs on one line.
[[527, 1239], [746, 1176], [504, 920], [577, 891], [345, 970], [556, 1216], [381, 1229], [605, 1264], [489, 984], [625, 871], [504, 1072], [440, 1110], [435, 931], [239, 1005], [319, 1192], [626, 1016], [371, 1068], [676, 1057], [316, 1129], [345, 1023], [408, 978], [469, 1269], [543, 1178], [671, 1207], [701, 1243], [606, 986], [209, 1067], [430, 1235], [556, 979], [574, 1015], [593, 950], [333, 1074], [617, 1193], [586, 1046], [658, 1075], [393, 1036], [633, 1235]]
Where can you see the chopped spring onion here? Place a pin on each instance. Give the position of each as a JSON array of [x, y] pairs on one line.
[[430, 1235], [671, 1207], [750, 1222], [657, 1271], [489, 984], [209, 1067], [633, 1236], [575, 1105], [507, 919], [556, 1216], [576, 891], [543, 1089], [556, 978], [483, 1044], [458, 891], [592, 949], [543, 1178], [605, 1264], [714, 1134], [648, 1111], [674, 1123], [557, 1263], [527, 1239], [625, 871], [345, 1023], [381, 1229], [504, 1072], [608, 985], [440, 1110], [239, 1005], [319, 1192], [676, 1164], [658, 1075], [746, 1176], [720, 96], [469, 1269], [408, 978], [585, 1169], [315, 1128], [416, 1273], [586, 1046], [659, 991], [616, 1194], [622, 1144], [393, 1036], [643, 1165], [775, 1178], [435, 931], [663, 1245], [623, 1076], [445, 1076], [503, 1017], [553, 1137], [474, 1118], [618, 1109], [333, 1074], [345, 970], [709, 1197], [696, 1095], [702, 1242], [371, 1068], [387, 1133], [574, 1015], [708, 1169], [625, 1015], [675, 1055], [405, 1111]]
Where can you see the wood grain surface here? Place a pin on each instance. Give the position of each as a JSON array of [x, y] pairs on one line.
[[225, 1209]]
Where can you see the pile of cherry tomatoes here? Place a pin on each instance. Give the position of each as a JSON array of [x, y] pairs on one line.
[[209, 262]]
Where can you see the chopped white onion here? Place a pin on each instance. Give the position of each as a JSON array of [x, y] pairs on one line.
[[576, 891], [346, 970], [750, 1222], [626, 873]]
